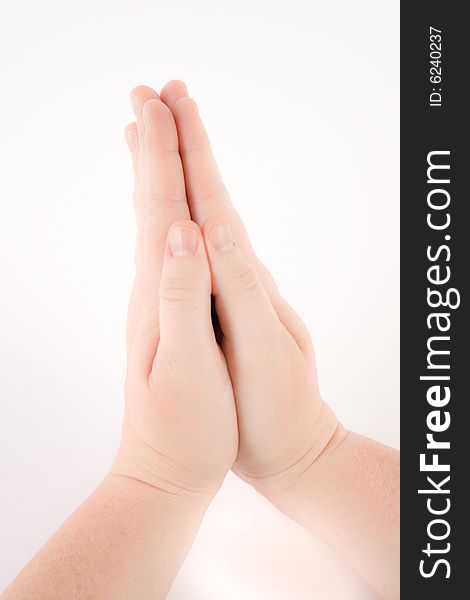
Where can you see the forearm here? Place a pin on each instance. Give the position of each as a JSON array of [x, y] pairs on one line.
[[127, 540], [350, 498]]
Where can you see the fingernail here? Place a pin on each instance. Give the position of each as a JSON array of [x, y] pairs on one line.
[[183, 241], [221, 237]]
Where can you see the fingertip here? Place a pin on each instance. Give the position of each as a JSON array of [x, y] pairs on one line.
[[131, 136], [153, 109], [185, 105], [192, 131], [140, 95], [149, 106], [173, 91]]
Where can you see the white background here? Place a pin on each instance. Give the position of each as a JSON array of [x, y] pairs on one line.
[[300, 99]]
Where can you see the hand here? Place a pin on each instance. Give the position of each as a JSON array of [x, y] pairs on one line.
[[180, 429], [129, 538], [283, 423], [339, 485]]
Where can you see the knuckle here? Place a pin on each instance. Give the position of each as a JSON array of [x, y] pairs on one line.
[[181, 289], [150, 207], [146, 290], [244, 278], [264, 272], [153, 256], [170, 364], [208, 195], [156, 195]]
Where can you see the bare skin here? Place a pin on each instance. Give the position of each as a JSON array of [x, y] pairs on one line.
[[195, 409]]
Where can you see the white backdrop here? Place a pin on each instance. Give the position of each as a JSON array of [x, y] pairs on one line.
[[300, 99]]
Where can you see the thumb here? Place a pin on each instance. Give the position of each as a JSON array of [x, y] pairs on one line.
[[245, 312], [185, 291]]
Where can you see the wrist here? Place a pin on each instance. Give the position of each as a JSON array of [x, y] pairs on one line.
[[145, 498], [324, 435], [162, 512], [311, 471], [137, 461]]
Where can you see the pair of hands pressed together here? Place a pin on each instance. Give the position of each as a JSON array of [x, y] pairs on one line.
[[194, 411], [199, 403]]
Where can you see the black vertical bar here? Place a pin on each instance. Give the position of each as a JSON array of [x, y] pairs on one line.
[[429, 124]]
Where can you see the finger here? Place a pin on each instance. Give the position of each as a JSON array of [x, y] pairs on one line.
[[164, 188], [172, 92], [206, 194], [184, 302], [133, 144], [139, 96], [185, 293], [164, 202], [208, 198], [245, 312], [243, 302], [132, 141]]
